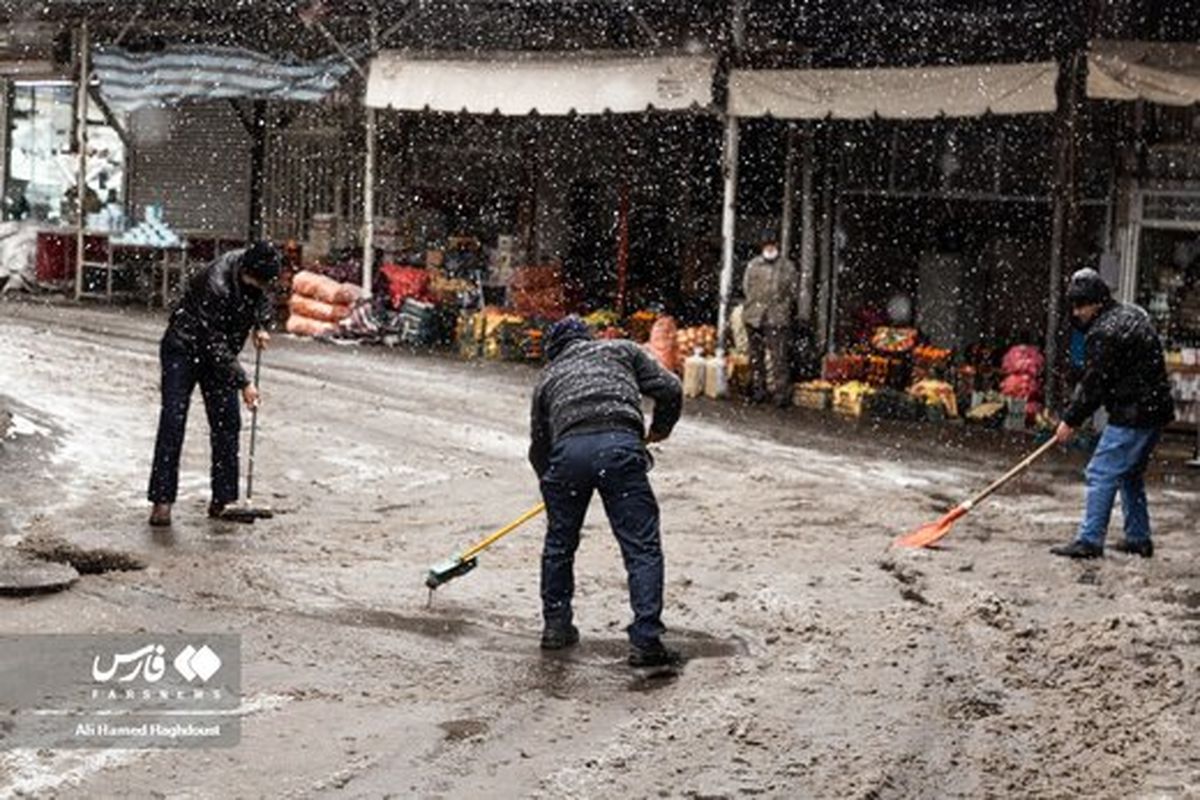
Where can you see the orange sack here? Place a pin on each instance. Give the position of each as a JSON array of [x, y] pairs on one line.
[[662, 343], [327, 290], [303, 326], [315, 309]]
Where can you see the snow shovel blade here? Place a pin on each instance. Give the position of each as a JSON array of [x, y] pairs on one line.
[[449, 570], [930, 532]]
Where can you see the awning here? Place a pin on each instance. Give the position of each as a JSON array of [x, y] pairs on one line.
[[894, 93], [29, 70], [1161, 72], [188, 72], [518, 84]]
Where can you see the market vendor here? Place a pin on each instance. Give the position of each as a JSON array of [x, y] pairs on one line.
[[1124, 371], [207, 329], [769, 285], [587, 435]]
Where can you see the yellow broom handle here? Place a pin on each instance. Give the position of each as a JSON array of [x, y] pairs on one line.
[[478, 548]]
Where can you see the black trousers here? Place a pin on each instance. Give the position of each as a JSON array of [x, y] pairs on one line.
[[181, 371]]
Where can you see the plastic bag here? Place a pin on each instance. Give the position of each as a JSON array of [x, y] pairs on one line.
[[662, 344]]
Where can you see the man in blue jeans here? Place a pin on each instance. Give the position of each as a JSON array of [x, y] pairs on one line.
[[1123, 371], [588, 434]]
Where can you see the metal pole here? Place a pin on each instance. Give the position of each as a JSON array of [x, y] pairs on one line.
[[4, 149], [728, 219], [826, 263], [81, 109], [789, 189], [808, 233], [368, 257], [831, 339]]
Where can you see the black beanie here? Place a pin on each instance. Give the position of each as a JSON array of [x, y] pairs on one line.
[[261, 260], [1087, 287], [562, 333]]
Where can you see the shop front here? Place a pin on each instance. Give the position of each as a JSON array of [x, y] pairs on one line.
[[926, 235], [1159, 264], [539, 184]]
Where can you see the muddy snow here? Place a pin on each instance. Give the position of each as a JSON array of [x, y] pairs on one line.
[[822, 664]]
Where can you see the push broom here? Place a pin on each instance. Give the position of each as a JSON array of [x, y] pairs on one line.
[[929, 533], [246, 512], [467, 560]]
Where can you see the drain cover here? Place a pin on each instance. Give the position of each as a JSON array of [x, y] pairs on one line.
[[20, 575]]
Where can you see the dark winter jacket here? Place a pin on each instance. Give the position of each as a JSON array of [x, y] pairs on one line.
[[216, 313], [1123, 371], [595, 386]]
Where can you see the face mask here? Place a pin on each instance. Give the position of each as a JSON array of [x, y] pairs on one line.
[[770, 253]]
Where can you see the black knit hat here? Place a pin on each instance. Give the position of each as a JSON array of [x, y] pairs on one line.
[[562, 333], [768, 236], [261, 260], [1087, 287]]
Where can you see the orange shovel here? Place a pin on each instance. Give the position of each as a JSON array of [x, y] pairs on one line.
[[930, 532]]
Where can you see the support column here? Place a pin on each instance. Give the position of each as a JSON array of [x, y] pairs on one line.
[[5, 154], [368, 228], [258, 160], [728, 225], [81, 108], [824, 343], [1064, 213], [789, 189], [808, 233]]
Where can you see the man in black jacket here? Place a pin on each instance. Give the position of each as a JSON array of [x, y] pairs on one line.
[[587, 435], [1123, 371], [207, 330]]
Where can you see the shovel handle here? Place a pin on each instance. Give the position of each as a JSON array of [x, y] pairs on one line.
[[475, 549], [1024, 464]]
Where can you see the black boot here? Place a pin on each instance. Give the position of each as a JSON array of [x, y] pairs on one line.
[[654, 655], [556, 638], [1078, 549], [1144, 548]]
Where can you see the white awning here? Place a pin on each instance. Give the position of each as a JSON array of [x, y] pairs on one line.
[[22, 69], [894, 93], [1161, 72], [518, 84]]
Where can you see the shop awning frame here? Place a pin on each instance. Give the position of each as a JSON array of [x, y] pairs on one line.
[[518, 84], [1167, 73], [894, 93]]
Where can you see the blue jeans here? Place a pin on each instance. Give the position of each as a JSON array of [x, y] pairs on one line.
[[613, 463], [180, 373], [1119, 464]]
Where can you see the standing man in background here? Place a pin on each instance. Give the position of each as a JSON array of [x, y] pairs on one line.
[[769, 285]]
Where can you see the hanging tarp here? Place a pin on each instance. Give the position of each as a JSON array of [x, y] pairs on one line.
[[177, 73], [1160, 72], [894, 93], [519, 84]]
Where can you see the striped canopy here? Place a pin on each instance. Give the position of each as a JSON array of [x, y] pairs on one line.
[[177, 73]]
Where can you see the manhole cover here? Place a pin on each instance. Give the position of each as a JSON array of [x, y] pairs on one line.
[[20, 576]]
